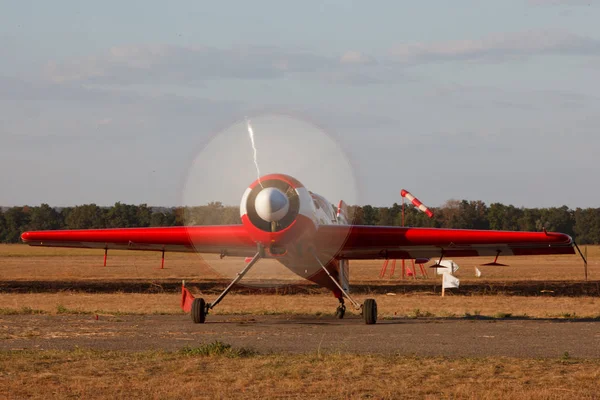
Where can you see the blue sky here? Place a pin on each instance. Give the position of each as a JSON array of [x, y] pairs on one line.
[[121, 101]]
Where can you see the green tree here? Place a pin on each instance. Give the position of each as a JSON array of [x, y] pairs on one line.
[[356, 216], [450, 215], [559, 219], [179, 213], [17, 222], [414, 217], [87, 216], [45, 217], [395, 211], [503, 217], [473, 215], [163, 218], [530, 220], [384, 217], [122, 216], [231, 216], [3, 227], [143, 215], [369, 215], [587, 225]]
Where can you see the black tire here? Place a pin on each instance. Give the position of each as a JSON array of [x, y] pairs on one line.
[[339, 313], [198, 311], [370, 311]]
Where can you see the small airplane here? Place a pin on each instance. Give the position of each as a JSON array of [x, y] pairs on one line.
[[281, 219]]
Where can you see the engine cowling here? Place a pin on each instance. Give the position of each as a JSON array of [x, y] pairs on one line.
[[276, 210]]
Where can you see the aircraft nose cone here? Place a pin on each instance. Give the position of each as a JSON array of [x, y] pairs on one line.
[[271, 204]]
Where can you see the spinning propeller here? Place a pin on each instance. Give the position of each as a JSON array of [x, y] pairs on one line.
[[225, 167]]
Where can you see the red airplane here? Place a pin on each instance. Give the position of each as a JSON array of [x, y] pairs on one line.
[[281, 219]]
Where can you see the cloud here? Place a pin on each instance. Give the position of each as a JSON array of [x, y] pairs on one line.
[[18, 89], [351, 78], [104, 121], [184, 65], [175, 65], [562, 2], [497, 46], [356, 57], [35, 110]]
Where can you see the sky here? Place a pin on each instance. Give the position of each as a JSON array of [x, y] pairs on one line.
[[146, 102]]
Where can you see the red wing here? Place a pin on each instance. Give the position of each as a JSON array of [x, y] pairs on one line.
[[372, 242], [227, 239]]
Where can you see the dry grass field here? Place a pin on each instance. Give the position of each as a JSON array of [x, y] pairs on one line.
[[409, 306], [24, 263], [217, 372], [21, 262]]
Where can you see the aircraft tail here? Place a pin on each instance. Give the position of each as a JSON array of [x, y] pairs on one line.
[[342, 213]]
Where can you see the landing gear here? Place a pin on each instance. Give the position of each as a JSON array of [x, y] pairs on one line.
[[369, 308], [199, 311], [341, 310], [369, 311]]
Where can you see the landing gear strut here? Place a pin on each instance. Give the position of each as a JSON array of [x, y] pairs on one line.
[[341, 310], [200, 308], [369, 308]]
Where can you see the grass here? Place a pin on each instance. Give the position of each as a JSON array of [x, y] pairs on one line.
[[217, 348], [417, 313], [211, 372], [409, 306], [22, 311], [21, 262]]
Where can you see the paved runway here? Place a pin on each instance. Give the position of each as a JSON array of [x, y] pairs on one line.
[[298, 334]]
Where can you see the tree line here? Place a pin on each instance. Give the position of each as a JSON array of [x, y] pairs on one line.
[[582, 224]]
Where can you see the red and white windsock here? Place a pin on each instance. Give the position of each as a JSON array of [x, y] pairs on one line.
[[416, 202]]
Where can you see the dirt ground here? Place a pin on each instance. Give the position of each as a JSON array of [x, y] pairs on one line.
[[531, 338]]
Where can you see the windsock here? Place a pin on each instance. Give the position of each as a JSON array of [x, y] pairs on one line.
[[417, 203]]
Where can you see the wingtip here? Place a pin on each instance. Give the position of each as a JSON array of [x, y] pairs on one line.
[[25, 236]]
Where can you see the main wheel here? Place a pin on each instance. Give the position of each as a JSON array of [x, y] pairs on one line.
[[198, 311], [339, 313], [370, 311]]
